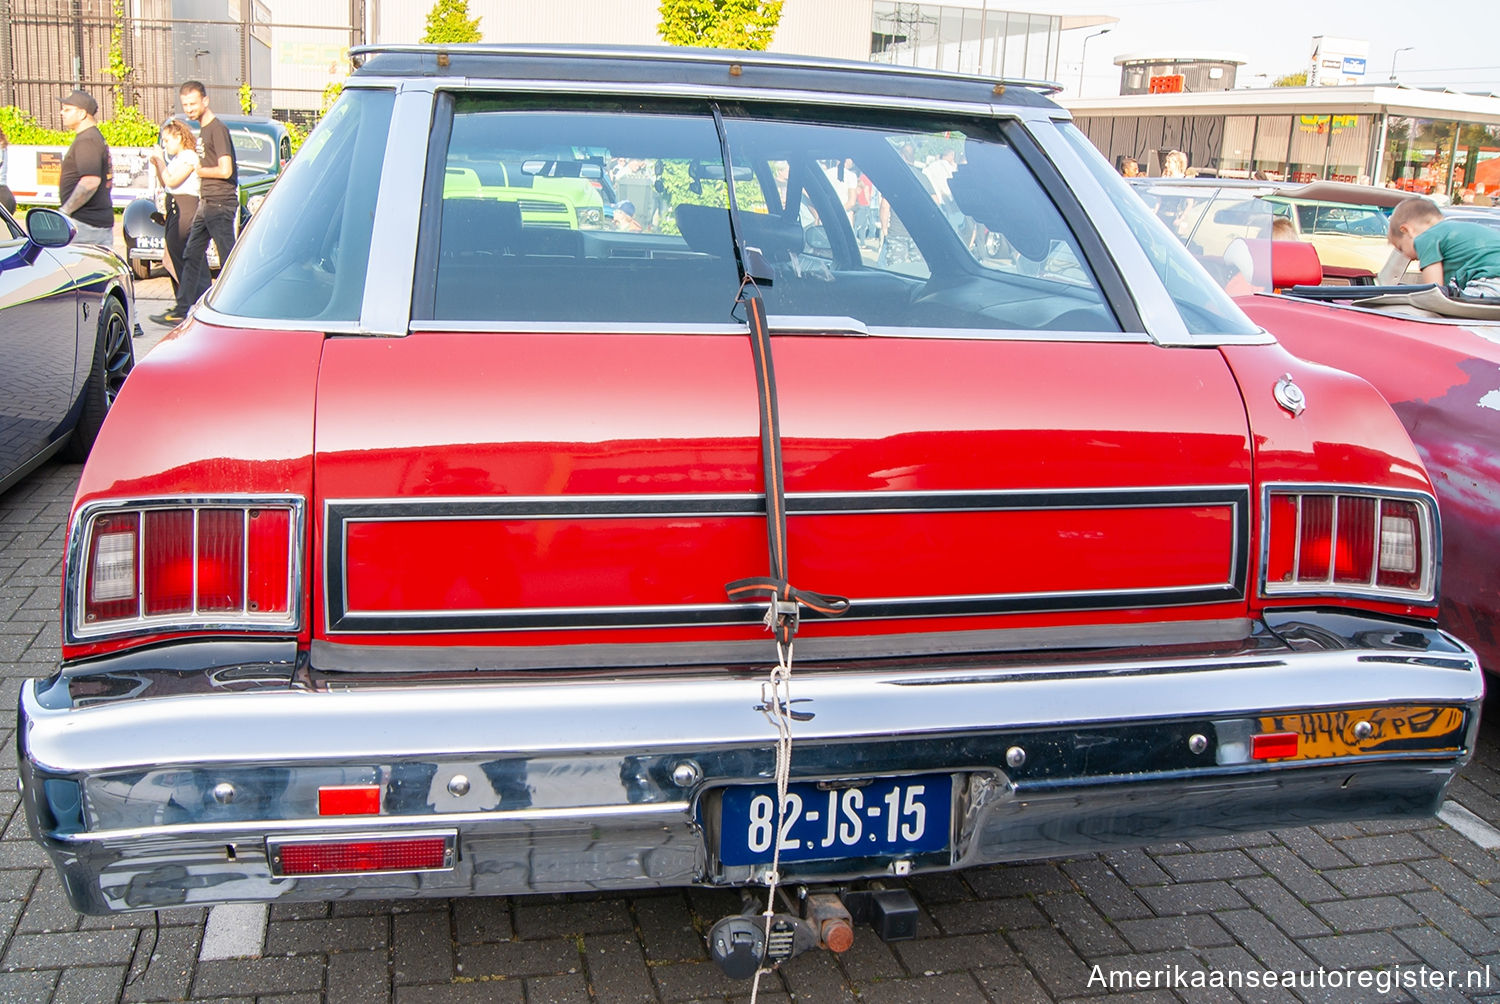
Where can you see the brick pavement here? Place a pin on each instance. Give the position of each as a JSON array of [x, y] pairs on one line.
[[1376, 895]]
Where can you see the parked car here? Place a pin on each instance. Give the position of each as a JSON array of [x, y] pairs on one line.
[[1438, 372], [67, 313], [262, 148], [466, 574]]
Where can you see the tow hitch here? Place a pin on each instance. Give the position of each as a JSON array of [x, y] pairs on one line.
[[739, 945]]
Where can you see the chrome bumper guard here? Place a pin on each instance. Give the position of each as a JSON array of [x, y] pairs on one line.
[[598, 784]]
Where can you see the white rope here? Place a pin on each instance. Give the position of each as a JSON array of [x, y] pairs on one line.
[[776, 703]]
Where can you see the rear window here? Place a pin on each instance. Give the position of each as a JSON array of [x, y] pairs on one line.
[[618, 214]]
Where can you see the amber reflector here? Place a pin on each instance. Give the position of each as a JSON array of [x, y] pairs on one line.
[[1273, 745], [349, 800], [400, 854]]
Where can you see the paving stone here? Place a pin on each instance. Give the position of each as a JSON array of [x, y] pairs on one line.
[[942, 887], [1019, 880], [421, 948], [1435, 949], [956, 987], [54, 951], [1294, 873], [1263, 939], [1136, 868], [817, 976], [1192, 897], [482, 918], [666, 926], [685, 981], [1162, 933], [987, 915], [1081, 924], [28, 988], [1376, 914], [870, 959], [1455, 922], [1209, 865], [359, 978], [1382, 880], [510, 959], [338, 934], [1357, 951], [1312, 847], [476, 992], [89, 984], [230, 975], [548, 920], [616, 968], [1391, 847], [1461, 851], [569, 988], [1284, 909], [1110, 896], [166, 973], [955, 952], [1012, 985], [1479, 899], [1053, 960]]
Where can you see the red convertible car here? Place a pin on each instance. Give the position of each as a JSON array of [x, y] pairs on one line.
[[445, 552], [1436, 360]]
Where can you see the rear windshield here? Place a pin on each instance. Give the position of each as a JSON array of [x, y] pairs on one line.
[[611, 214]]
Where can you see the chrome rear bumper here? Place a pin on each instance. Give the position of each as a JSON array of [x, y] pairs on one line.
[[597, 783]]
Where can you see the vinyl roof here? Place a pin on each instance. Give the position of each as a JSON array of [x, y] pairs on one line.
[[714, 71]]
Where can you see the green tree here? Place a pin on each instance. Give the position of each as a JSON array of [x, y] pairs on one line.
[[1298, 79], [448, 22], [719, 24], [117, 68]]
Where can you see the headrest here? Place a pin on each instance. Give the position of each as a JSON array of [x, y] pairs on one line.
[[706, 230]]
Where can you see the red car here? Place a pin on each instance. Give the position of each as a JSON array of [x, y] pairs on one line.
[[443, 552], [1436, 361]]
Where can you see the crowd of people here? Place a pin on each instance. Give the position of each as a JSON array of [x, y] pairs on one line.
[[200, 176]]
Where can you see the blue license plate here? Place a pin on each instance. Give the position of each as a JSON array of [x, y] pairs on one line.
[[885, 817]]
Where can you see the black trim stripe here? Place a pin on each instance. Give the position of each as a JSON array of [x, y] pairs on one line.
[[339, 513]]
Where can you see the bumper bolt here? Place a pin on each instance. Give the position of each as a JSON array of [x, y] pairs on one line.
[[458, 786], [1197, 742], [1363, 730], [1015, 756], [686, 774], [224, 793]]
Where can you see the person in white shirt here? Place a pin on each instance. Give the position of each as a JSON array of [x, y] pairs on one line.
[[178, 173]]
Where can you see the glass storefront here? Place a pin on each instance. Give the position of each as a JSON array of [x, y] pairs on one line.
[[977, 40]]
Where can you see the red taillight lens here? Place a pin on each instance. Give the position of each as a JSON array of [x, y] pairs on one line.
[[270, 549], [1273, 745], [1316, 537], [1354, 560], [221, 559], [223, 564], [169, 561], [349, 800], [113, 589], [385, 854], [1349, 541]]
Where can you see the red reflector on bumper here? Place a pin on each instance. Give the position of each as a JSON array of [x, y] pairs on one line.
[[370, 854], [349, 800], [1273, 745]]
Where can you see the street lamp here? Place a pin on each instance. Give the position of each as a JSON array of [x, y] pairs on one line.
[[1083, 56], [1404, 48]]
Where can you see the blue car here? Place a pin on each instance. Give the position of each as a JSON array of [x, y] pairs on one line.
[[67, 315]]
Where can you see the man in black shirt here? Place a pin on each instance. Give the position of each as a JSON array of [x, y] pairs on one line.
[[87, 178], [218, 202]]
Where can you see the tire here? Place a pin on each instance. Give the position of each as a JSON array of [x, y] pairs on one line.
[[139, 269], [114, 358]]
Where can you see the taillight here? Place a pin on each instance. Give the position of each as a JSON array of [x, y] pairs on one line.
[[1350, 541], [156, 564], [361, 853]]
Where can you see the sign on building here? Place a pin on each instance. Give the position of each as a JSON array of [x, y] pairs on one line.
[[1338, 61]]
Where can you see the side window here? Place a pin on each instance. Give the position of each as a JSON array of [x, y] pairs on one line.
[[10, 233]]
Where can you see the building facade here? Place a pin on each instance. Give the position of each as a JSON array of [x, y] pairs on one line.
[[1432, 142]]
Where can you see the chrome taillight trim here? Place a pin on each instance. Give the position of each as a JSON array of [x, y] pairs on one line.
[[1429, 530], [76, 628]]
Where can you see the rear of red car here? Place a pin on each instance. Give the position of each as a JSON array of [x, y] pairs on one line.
[[433, 597]]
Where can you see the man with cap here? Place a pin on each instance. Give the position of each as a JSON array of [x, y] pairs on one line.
[[87, 177]]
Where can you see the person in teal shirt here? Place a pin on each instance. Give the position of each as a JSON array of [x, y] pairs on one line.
[[1449, 252]]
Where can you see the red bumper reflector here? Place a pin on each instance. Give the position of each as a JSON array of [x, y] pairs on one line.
[[349, 800], [1273, 745], [394, 854]]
